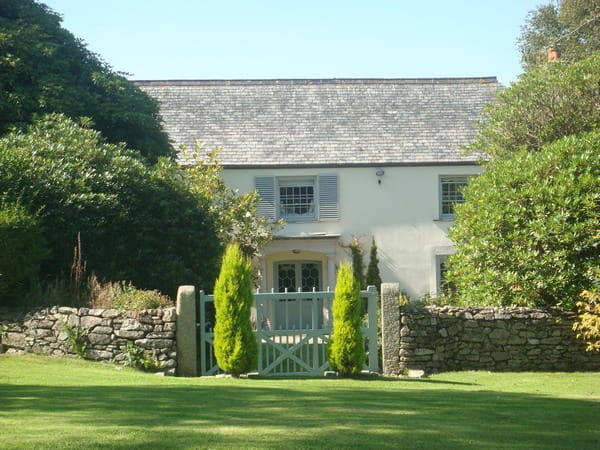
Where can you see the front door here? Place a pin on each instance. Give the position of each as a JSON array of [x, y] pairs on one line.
[[289, 276]]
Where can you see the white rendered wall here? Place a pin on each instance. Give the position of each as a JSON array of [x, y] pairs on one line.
[[402, 213]]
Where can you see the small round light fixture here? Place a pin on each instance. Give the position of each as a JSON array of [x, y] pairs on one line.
[[380, 172]]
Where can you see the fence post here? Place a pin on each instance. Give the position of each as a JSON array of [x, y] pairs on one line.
[[390, 328], [187, 364], [372, 314]]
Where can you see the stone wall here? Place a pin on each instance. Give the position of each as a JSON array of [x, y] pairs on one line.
[[107, 331], [439, 339]]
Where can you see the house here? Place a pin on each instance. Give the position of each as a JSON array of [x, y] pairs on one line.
[[338, 159]]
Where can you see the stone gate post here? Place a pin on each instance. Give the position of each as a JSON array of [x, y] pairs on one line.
[[390, 328], [187, 365]]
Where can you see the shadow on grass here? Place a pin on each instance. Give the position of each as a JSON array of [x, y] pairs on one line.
[[328, 416], [363, 378]]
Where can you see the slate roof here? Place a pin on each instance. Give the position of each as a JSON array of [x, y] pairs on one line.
[[324, 123]]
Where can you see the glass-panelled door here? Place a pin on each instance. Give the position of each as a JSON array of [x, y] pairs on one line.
[[297, 314]]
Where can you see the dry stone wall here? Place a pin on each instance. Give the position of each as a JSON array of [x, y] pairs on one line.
[[438, 339], [107, 332]]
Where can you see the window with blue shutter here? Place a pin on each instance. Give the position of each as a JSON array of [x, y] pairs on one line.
[[298, 199], [265, 186], [328, 197]]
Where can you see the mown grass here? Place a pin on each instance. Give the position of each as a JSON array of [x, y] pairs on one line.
[[67, 403]]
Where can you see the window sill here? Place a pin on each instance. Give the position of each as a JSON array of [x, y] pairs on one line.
[[445, 219]]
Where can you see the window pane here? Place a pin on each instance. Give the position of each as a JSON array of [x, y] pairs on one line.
[[452, 193], [286, 275], [297, 201]]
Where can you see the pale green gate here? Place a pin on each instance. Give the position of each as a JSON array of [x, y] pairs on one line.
[[292, 329]]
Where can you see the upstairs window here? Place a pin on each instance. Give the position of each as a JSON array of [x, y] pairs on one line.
[[450, 194], [298, 199]]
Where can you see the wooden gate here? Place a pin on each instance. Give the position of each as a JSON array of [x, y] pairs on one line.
[[292, 330]]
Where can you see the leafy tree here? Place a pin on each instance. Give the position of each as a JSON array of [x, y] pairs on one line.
[[235, 214], [236, 348], [373, 277], [527, 233], [137, 222], [357, 262], [22, 249], [548, 103], [572, 26], [44, 69], [346, 347]]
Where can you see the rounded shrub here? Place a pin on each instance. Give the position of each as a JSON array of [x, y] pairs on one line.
[[235, 345], [130, 298], [346, 348], [527, 234]]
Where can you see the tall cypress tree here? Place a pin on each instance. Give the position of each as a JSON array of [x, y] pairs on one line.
[[373, 275], [357, 262], [236, 348], [346, 347]]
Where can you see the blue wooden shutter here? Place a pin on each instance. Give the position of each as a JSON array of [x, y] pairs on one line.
[[265, 186], [328, 197]]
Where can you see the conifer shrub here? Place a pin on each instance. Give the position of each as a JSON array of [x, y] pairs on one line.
[[373, 277], [357, 262], [346, 349], [235, 345]]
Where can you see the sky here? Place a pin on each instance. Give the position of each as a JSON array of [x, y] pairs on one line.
[[278, 39]]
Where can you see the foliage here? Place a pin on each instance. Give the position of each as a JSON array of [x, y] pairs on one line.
[[572, 26], [527, 233], [235, 345], [22, 249], [77, 338], [357, 262], [130, 298], [588, 323], [136, 357], [234, 214], [346, 349], [373, 277], [44, 69], [546, 104], [137, 222]]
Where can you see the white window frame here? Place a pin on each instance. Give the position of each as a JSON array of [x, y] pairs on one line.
[[326, 206], [444, 202], [294, 182]]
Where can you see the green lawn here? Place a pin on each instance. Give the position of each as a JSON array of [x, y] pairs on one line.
[[67, 403]]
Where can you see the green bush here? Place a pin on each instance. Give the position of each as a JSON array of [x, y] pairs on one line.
[[528, 232], [236, 348], [137, 358], [22, 249], [346, 348], [77, 338], [137, 222], [130, 298]]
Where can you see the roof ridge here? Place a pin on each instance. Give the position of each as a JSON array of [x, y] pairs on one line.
[[309, 81]]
